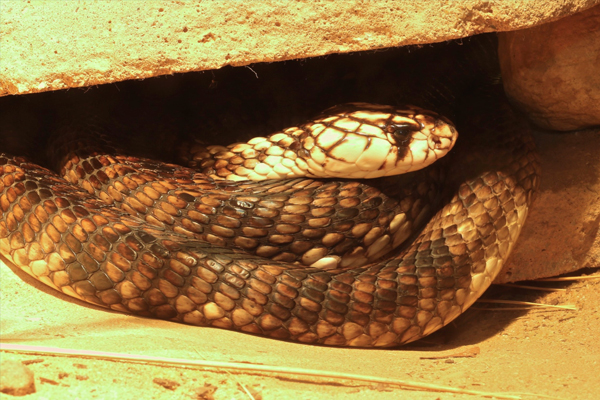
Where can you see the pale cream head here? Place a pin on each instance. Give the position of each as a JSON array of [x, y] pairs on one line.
[[360, 140], [355, 141]]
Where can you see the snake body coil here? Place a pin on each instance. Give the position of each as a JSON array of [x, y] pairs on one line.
[[127, 240]]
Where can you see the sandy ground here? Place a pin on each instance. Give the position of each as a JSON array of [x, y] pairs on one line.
[[547, 352]]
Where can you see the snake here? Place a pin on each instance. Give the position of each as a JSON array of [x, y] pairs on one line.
[[276, 237]]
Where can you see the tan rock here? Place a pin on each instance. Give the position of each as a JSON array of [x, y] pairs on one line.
[[16, 379], [50, 45], [562, 231], [552, 71]]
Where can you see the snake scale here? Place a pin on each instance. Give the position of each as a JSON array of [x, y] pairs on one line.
[[157, 240]]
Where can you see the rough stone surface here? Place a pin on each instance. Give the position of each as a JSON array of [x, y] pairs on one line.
[[15, 378], [552, 71], [50, 45], [562, 232]]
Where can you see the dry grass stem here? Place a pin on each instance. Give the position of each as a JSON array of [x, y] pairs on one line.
[[250, 396], [532, 287], [527, 303], [430, 387], [528, 308], [569, 278]]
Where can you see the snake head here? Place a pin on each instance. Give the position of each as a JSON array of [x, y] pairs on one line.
[[362, 140], [355, 141]]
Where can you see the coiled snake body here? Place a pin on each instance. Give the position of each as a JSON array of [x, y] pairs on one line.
[[122, 232]]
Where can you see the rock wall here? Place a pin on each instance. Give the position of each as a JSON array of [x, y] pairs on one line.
[[552, 71], [50, 44]]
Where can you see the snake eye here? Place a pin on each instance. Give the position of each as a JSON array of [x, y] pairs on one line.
[[402, 132]]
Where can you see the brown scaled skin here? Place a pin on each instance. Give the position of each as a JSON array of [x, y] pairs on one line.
[[67, 238], [324, 224]]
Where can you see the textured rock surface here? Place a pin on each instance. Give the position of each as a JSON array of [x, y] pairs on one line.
[[49, 45], [562, 232], [552, 71], [16, 379]]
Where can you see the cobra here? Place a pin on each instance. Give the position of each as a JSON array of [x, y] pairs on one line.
[[157, 240]]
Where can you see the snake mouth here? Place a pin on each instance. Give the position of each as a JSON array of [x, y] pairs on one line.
[[443, 137], [441, 133]]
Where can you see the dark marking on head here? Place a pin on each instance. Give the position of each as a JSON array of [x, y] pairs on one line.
[[402, 132]]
